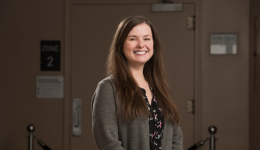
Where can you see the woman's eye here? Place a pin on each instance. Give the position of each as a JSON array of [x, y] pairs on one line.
[[132, 39], [147, 39]]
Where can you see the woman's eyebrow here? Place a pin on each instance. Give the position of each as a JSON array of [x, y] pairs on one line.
[[132, 36], [136, 36]]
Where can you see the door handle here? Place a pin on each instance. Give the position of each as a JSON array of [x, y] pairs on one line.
[[76, 118], [190, 106], [76, 114]]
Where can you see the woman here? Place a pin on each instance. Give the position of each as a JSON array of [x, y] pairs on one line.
[[131, 108]]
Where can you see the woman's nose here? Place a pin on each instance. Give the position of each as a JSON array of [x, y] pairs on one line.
[[140, 44]]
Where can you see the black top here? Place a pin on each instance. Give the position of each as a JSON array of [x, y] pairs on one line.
[[155, 123]]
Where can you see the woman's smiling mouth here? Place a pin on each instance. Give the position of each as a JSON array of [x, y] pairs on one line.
[[140, 52]]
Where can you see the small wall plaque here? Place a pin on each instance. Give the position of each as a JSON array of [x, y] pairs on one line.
[[166, 7], [50, 55], [49, 86], [223, 44]]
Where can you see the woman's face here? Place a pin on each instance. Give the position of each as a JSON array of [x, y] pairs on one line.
[[138, 46]]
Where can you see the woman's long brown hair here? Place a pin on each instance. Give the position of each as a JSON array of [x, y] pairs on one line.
[[131, 104]]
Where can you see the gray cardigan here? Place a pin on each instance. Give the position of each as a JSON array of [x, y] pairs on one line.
[[112, 133]]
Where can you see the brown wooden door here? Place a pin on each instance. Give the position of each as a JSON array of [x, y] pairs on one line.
[[91, 32]]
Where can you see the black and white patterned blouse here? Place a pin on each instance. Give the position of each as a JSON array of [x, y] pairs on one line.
[[155, 123]]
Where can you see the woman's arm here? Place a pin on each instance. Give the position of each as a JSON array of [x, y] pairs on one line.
[[177, 139], [104, 117]]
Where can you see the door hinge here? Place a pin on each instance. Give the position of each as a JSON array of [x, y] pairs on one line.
[[190, 106], [191, 22]]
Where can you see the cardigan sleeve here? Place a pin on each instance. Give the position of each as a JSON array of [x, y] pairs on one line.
[[104, 117], [177, 139]]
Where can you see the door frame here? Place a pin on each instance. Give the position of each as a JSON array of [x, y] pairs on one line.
[[67, 110]]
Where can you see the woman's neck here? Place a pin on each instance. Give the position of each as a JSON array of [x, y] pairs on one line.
[[138, 75]]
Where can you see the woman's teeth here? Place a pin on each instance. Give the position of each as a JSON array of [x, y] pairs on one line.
[[139, 52]]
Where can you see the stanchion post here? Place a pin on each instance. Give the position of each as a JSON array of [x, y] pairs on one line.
[[30, 128], [212, 131]]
